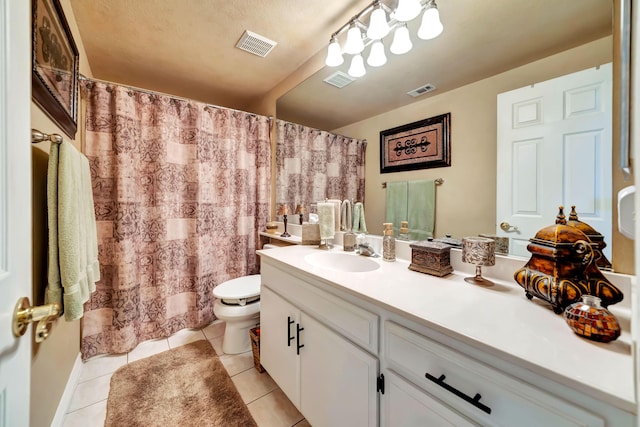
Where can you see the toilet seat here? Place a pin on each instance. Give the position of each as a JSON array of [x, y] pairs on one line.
[[240, 291]]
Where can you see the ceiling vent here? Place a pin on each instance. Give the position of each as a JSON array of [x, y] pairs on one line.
[[421, 90], [339, 79], [255, 43]]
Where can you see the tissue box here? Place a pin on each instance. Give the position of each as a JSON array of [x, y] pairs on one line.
[[431, 257], [310, 234]]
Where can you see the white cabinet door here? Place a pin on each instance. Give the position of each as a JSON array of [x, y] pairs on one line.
[[278, 322], [337, 379], [404, 405]]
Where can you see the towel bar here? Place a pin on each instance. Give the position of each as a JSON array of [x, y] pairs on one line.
[[37, 136], [438, 181]]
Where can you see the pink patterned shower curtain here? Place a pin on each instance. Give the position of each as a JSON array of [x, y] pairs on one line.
[[313, 165], [180, 190]]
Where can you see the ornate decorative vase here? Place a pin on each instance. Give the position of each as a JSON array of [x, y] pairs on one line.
[[590, 320], [562, 268], [596, 239]]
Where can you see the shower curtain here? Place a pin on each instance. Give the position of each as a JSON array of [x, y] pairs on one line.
[[313, 165], [181, 190]]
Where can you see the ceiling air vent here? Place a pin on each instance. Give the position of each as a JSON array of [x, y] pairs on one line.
[[255, 43], [339, 79], [421, 90]]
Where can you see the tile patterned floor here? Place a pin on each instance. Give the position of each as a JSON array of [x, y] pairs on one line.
[[267, 403]]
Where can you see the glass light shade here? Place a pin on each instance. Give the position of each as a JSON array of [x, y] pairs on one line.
[[431, 27], [376, 55], [407, 10], [357, 67], [378, 26], [334, 56], [401, 41], [354, 44]]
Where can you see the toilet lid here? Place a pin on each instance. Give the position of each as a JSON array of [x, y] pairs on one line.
[[236, 289]]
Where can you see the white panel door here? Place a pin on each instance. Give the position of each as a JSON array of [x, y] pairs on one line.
[[278, 355], [337, 379], [15, 207], [554, 149]]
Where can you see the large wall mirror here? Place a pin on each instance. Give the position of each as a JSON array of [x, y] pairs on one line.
[[487, 48]]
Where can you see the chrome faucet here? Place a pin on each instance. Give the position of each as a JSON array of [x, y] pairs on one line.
[[365, 249]]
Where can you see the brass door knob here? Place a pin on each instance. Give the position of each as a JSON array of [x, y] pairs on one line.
[[24, 314], [505, 226]]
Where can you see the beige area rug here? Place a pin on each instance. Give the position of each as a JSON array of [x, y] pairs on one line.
[[185, 386]]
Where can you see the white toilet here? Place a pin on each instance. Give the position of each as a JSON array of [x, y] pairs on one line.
[[238, 304]]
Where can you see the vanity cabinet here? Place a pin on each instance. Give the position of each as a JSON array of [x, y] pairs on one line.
[[328, 378]]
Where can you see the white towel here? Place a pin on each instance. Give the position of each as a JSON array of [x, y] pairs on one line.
[[346, 216], [359, 224], [336, 214], [73, 247], [326, 214]]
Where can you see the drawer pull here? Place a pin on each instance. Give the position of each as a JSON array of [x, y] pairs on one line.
[[289, 337], [475, 400], [299, 329]]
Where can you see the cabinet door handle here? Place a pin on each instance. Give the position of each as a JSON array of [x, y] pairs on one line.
[[475, 400], [289, 337], [298, 345]]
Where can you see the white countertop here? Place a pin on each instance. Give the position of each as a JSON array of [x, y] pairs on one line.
[[499, 320]]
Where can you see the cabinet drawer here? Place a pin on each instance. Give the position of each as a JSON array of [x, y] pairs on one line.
[[474, 389], [358, 325]]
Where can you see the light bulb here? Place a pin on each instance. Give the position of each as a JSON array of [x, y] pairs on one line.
[[334, 56], [357, 67], [401, 41], [407, 10], [376, 55], [354, 42], [431, 27], [378, 26]]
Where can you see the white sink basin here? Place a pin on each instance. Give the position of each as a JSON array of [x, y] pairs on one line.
[[342, 262]]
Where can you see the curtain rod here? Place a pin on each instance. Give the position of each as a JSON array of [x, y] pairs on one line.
[[37, 136], [320, 130], [154, 92], [437, 181]]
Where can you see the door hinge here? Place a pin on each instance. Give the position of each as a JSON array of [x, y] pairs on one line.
[[380, 384]]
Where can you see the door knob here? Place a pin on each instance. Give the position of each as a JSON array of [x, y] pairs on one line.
[[505, 226], [24, 314]]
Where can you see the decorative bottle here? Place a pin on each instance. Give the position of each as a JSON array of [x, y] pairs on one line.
[[590, 320], [388, 243], [403, 234]]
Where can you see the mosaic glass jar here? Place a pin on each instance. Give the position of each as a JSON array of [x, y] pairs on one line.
[[590, 320]]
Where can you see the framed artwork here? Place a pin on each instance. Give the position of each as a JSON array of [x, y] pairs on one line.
[[54, 72], [418, 145]]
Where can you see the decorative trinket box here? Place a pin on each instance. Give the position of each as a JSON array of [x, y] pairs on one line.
[[562, 268], [431, 257]]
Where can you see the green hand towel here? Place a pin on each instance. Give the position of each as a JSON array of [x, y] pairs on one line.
[[421, 208], [397, 204]]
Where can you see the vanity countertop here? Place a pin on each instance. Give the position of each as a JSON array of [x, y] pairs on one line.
[[498, 320]]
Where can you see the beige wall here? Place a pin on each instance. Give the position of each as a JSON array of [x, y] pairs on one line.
[[52, 360], [466, 202]]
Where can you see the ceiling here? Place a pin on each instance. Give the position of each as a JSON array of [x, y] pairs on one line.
[[187, 48]]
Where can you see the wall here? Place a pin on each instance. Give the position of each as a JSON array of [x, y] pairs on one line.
[[53, 360], [466, 202]]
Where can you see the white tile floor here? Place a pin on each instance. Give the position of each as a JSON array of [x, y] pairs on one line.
[[266, 402]]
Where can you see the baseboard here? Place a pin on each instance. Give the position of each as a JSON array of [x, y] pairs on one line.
[[65, 400]]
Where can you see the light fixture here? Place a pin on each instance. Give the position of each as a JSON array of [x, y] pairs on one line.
[[382, 19], [354, 44], [401, 40], [407, 10], [334, 56], [431, 27], [357, 67], [283, 210], [377, 57], [378, 25]]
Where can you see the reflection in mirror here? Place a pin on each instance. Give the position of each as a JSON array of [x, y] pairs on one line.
[[484, 51]]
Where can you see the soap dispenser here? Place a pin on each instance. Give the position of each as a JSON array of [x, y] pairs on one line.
[[388, 243], [403, 234]]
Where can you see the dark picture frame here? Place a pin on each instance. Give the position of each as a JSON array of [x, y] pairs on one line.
[[54, 72], [418, 145]]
